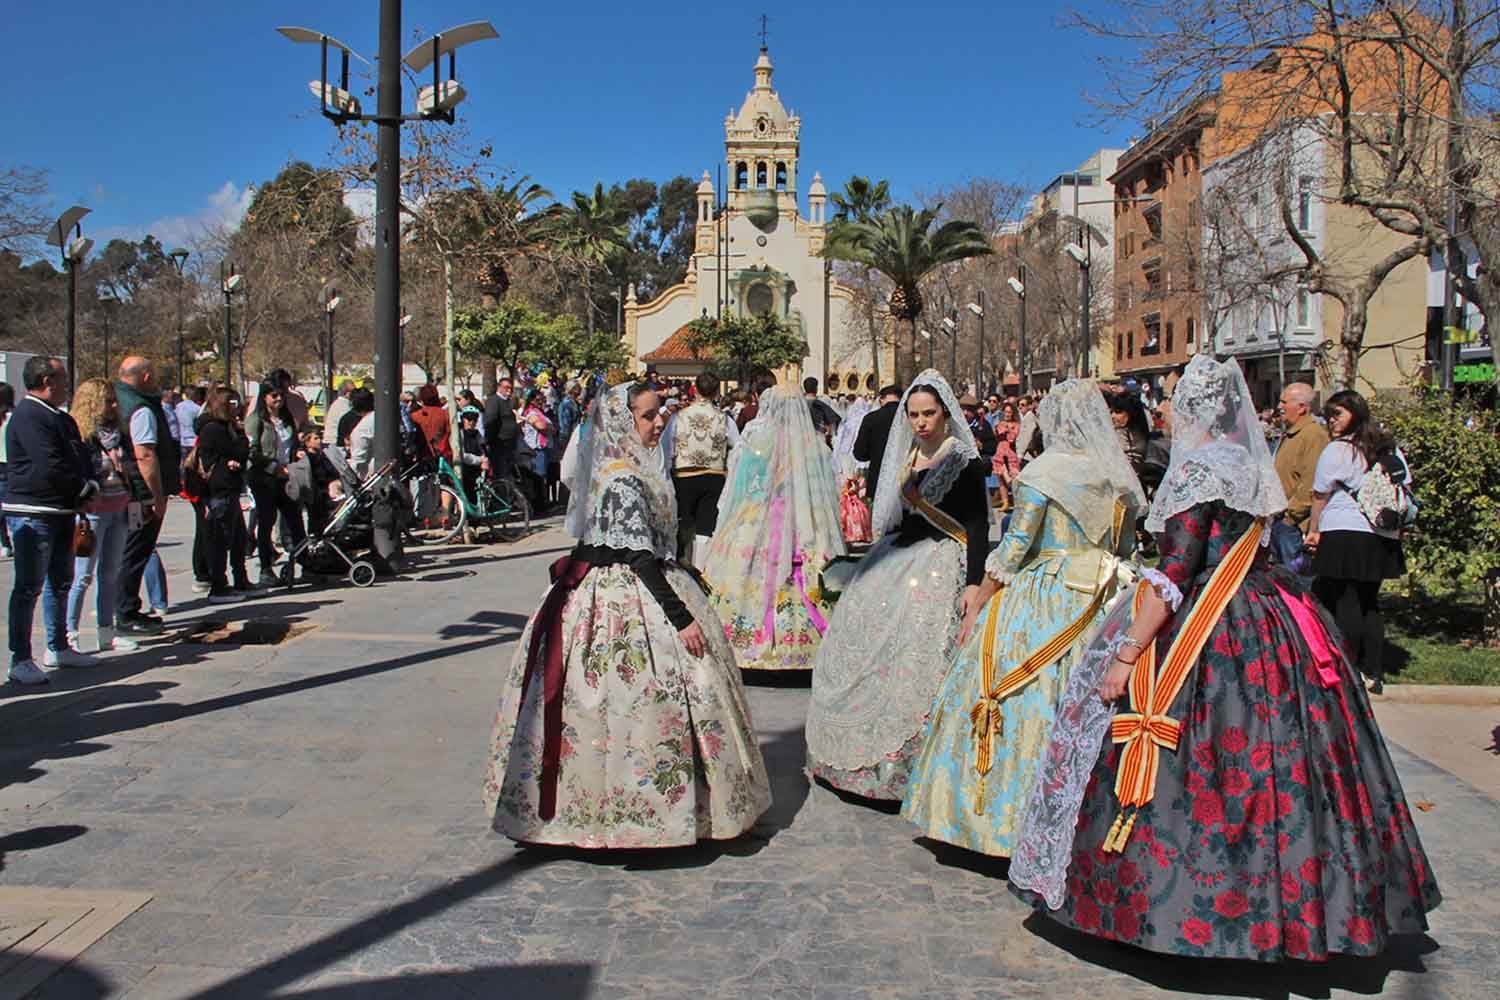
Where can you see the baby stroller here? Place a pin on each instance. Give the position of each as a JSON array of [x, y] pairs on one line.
[[351, 526]]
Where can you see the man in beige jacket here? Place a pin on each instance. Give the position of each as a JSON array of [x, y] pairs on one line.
[[1296, 459]]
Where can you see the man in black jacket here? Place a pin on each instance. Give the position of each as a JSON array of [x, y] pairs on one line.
[[874, 430], [49, 483], [501, 430], [984, 434]]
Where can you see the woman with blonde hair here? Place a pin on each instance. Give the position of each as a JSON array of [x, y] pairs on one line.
[[97, 415]]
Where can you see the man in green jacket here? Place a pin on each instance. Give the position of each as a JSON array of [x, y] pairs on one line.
[[152, 465]]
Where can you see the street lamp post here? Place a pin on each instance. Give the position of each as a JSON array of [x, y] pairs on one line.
[[434, 102], [330, 307], [950, 326], [1083, 256], [977, 308], [927, 337], [179, 261], [619, 298], [230, 281], [1018, 285], [74, 251]]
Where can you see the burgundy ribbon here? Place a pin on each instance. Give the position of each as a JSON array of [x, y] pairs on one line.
[[546, 632]]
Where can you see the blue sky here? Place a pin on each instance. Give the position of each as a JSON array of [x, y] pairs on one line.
[[159, 114]]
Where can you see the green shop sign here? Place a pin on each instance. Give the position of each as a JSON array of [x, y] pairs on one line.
[[1474, 373]]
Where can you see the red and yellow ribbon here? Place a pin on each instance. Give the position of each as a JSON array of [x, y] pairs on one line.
[[1147, 726]]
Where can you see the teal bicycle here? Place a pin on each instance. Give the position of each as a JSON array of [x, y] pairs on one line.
[[444, 512]]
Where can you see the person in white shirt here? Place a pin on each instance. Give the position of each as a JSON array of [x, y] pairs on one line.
[[336, 411], [186, 413], [362, 445]]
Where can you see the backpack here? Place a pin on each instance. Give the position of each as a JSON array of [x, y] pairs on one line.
[[1385, 497]]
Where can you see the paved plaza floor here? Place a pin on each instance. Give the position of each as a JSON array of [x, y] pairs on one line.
[[288, 804]]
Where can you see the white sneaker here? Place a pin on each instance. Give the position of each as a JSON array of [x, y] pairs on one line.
[[5, 552], [109, 640], [159, 612], [201, 587], [67, 658], [27, 672]]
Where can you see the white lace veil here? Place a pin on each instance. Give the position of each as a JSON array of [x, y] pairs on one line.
[[959, 450], [1219, 451], [1082, 469], [844, 464], [610, 449]]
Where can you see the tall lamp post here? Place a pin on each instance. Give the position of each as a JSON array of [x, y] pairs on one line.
[[179, 258], [950, 327], [434, 102], [74, 250], [977, 308], [1083, 256], [107, 303], [927, 337], [230, 281], [330, 306], [1018, 285]]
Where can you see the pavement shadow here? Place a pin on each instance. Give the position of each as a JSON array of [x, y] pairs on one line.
[[1242, 978], [1494, 746], [39, 836], [315, 956], [430, 561], [777, 678], [485, 623], [554, 980], [950, 856], [63, 980]]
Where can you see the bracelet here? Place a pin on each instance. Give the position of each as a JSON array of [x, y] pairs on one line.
[[1130, 641]]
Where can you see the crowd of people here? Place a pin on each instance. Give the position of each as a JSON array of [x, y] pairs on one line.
[[1177, 753]]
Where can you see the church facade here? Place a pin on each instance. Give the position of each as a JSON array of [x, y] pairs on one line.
[[756, 253]]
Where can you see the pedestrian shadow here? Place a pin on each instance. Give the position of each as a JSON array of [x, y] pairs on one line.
[[1242, 977], [1494, 746], [777, 678], [888, 806]]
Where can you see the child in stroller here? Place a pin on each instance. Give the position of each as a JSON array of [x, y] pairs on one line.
[[341, 509]]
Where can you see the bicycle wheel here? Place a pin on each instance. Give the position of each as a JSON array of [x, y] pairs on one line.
[[444, 524], [505, 510]]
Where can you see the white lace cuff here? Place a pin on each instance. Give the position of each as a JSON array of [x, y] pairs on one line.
[[1165, 588], [994, 567]]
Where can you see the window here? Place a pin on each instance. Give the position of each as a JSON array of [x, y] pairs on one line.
[[1119, 345], [760, 175], [1169, 338], [1304, 203], [759, 300], [1192, 330], [1152, 344], [1192, 214], [741, 175], [1130, 344], [1304, 308], [781, 176]]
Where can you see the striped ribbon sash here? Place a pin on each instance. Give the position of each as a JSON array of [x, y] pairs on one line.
[[1147, 726], [986, 717], [937, 518]]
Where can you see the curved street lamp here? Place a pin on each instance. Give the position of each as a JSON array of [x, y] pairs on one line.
[[1018, 285], [107, 303], [230, 281], [331, 306], [179, 261], [74, 251]]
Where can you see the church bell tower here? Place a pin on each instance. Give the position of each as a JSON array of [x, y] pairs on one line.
[[761, 147]]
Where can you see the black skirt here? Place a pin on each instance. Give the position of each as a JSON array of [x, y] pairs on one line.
[[1358, 555]]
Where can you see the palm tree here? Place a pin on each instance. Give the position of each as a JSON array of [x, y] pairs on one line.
[[592, 232], [901, 244], [515, 226], [858, 202]]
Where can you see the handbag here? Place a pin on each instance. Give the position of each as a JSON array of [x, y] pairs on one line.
[[83, 538]]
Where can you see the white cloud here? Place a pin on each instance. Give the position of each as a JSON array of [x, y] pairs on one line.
[[222, 209]]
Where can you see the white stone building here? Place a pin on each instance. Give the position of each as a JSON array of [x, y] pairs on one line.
[[757, 253]]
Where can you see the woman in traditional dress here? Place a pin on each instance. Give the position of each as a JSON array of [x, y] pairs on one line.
[[778, 527], [895, 625], [1054, 576], [849, 473], [623, 722], [1243, 805]]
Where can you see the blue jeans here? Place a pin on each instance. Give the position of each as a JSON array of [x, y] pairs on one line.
[[44, 552], [4, 489], [109, 545], [156, 581]]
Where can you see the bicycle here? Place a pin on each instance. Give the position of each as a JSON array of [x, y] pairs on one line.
[[499, 506]]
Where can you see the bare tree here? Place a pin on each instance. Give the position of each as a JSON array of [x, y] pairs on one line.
[[24, 219]]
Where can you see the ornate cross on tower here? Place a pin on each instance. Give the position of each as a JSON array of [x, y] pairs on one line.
[[764, 21]]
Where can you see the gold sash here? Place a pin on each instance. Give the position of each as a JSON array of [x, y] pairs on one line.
[[912, 494], [987, 718]]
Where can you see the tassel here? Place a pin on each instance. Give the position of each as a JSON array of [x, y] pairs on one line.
[[1125, 833], [1114, 831]]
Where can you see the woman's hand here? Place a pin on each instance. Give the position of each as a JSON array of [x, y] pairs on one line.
[[1116, 680], [969, 603], [695, 641], [970, 620], [233, 465], [1312, 539]]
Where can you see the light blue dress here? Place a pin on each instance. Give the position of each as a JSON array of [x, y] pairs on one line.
[[1049, 568]]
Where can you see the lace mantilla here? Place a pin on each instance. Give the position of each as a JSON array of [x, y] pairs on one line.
[[622, 519], [1164, 587], [887, 509]]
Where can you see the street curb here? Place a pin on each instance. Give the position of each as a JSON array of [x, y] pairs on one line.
[[1440, 694]]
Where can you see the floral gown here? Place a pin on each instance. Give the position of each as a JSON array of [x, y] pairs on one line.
[[657, 746], [1279, 829], [946, 796]]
